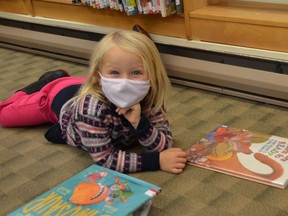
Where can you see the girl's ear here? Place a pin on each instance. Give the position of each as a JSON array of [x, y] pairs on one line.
[[95, 72], [97, 76]]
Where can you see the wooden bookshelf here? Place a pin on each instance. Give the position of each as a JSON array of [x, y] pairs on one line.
[[233, 22], [64, 10]]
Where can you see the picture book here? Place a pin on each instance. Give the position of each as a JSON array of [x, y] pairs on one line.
[[94, 191], [242, 153]]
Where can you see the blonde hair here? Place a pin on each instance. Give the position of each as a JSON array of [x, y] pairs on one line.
[[142, 46]]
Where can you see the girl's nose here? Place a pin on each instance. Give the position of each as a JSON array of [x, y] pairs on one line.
[[125, 76]]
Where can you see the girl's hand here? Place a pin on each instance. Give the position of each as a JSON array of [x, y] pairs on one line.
[[132, 114], [173, 160]]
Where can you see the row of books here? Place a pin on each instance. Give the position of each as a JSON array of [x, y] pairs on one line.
[[132, 7]]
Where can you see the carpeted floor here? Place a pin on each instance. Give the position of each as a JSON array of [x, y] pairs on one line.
[[30, 165]]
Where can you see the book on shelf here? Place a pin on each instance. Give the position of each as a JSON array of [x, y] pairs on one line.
[[258, 157], [179, 6], [167, 7], [132, 7], [94, 191]]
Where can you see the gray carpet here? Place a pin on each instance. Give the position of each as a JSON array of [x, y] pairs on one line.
[[30, 165]]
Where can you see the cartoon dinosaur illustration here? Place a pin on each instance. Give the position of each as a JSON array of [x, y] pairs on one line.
[[223, 146], [87, 193]]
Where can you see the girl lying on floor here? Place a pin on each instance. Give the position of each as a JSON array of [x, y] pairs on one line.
[[120, 103]]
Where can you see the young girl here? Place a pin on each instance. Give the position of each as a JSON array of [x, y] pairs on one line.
[[120, 104]]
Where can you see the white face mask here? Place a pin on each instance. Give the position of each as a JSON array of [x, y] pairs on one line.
[[124, 93]]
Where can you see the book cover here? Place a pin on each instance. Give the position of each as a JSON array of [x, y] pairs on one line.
[[242, 153], [167, 7], [94, 191], [179, 6], [139, 6], [130, 7]]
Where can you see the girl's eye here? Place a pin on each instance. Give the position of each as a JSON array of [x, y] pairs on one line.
[[114, 73], [136, 73]]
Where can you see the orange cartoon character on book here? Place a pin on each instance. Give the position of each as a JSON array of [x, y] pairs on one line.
[[228, 149], [87, 193]]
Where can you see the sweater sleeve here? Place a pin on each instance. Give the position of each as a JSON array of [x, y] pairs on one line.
[[150, 161], [159, 128], [154, 135], [153, 132], [54, 134]]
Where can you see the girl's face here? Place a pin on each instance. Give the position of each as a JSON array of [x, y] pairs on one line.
[[120, 64]]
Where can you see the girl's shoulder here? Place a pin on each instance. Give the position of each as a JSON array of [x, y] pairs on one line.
[[86, 105], [90, 105]]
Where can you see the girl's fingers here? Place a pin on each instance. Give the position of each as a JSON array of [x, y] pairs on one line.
[[182, 160], [176, 171], [121, 111], [180, 166]]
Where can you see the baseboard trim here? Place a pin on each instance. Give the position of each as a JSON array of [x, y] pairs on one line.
[[230, 92]]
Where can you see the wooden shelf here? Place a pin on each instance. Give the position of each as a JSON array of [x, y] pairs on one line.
[[64, 10], [242, 24], [15, 6], [170, 26], [243, 14]]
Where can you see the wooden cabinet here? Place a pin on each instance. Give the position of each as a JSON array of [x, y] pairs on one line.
[[241, 23]]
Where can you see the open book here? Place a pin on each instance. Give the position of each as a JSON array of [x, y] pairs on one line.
[[257, 157], [94, 191]]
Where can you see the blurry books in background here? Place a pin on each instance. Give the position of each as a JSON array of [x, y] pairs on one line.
[[131, 7]]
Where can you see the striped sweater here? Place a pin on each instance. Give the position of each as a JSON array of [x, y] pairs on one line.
[[94, 127]]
